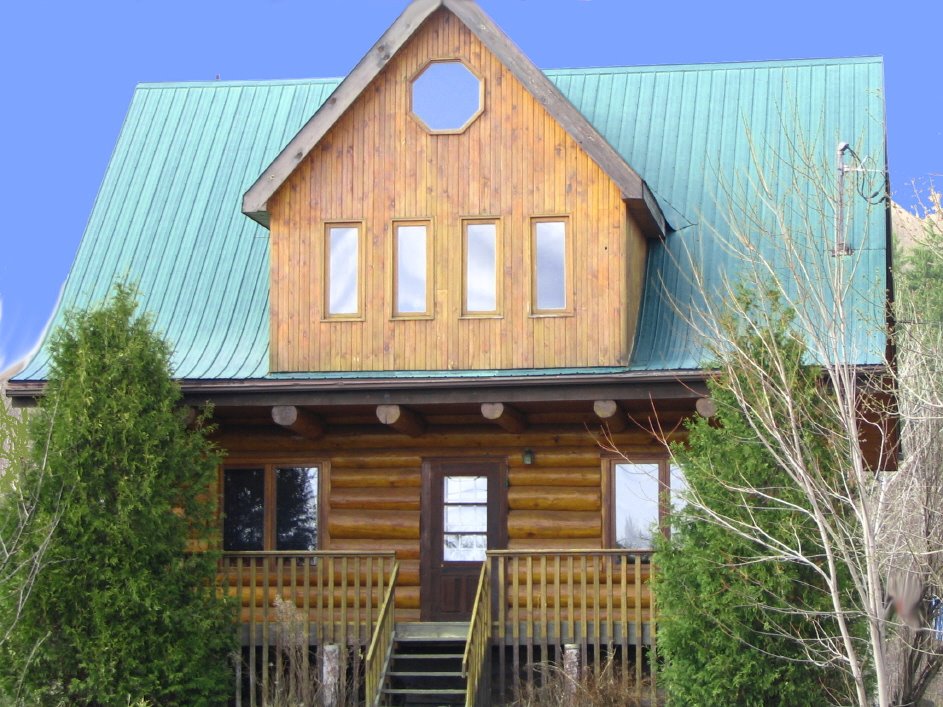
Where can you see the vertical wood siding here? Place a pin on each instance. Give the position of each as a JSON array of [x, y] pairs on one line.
[[514, 162]]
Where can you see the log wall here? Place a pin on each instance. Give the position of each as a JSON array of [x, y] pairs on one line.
[[371, 484]]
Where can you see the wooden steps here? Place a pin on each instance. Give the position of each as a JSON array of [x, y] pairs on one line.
[[426, 665]]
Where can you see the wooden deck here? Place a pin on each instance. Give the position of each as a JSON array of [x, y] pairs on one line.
[[530, 607]]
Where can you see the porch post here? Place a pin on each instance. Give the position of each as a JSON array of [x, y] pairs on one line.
[[571, 667], [330, 676]]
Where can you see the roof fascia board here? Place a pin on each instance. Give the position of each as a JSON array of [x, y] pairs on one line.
[[632, 187], [255, 200]]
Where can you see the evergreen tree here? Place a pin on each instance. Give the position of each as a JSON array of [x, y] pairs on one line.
[[120, 611], [736, 625]]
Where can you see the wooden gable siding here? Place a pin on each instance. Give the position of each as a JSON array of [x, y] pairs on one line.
[[515, 162]]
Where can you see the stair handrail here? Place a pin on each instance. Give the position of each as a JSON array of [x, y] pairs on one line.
[[375, 665], [478, 642]]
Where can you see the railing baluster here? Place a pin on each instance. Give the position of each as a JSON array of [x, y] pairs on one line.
[[624, 612], [252, 632], [543, 619], [638, 626], [516, 622], [597, 601], [502, 622], [529, 630]]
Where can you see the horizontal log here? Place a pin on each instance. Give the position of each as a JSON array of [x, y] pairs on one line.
[[576, 459], [260, 598], [611, 415], [554, 498], [375, 479], [556, 477], [405, 549], [508, 418], [557, 524], [391, 499], [299, 421], [604, 600], [555, 543], [401, 419], [232, 575], [347, 442], [402, 525], [402, 614], [368, 463]]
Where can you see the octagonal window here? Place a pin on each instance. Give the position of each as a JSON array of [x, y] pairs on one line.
[[446, 97]]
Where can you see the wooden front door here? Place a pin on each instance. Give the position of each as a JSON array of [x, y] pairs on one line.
[[464, 512]]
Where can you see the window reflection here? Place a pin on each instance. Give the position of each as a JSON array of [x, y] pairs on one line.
[[636, 500], [481, 267], [296, 508], [343, 247], [446, 96], [411, 269], [465, 518], [550, 265], [243, 509]]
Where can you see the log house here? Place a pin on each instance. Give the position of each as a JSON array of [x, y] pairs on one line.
[[438, 307]]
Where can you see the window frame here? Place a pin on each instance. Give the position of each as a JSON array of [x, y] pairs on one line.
[[429, 312], [481, 96], [568, 288], [609, 493], [326, 314], [270, 500], [498, 311]]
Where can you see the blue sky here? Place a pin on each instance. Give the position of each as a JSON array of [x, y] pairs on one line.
[[69, 69]]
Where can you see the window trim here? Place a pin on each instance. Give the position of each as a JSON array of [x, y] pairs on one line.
[[498, 311], [568, 289], [429, 313], [326, 314], [609, 492], [481, 95], [270, 500]]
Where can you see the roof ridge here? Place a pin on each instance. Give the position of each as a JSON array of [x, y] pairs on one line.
[[150, 85], [703, 66]]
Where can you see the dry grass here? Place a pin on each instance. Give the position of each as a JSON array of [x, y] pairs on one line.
[[608, 687]]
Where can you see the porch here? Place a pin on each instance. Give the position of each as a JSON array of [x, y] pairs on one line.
[[338, 614]]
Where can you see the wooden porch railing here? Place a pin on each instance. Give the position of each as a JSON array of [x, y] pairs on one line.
[[312, 598], [597, 600], [381, 644], [475, 663]]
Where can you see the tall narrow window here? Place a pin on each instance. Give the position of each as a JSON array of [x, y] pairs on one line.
[[481, 268], [412, 283], [550, 262], [637, 502], [342, 273], [270, 508]]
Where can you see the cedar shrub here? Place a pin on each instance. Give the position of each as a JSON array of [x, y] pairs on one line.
[[731, 629], [120, 610]]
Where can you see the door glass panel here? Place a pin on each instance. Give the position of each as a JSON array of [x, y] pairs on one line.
[[466, 519], [296, 508], [466, 489], [465, 548], [636, 512], [678, 487], [243, 509]]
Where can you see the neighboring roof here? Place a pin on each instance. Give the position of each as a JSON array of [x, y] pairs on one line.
[[634, 190], [168, 216]]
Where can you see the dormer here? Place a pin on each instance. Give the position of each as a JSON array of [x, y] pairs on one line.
[[448, 209]]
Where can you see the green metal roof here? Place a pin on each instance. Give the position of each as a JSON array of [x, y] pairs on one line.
[[168, 217]]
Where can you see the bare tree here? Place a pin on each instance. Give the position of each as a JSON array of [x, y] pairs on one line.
[[19, 520], [798, 231]]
